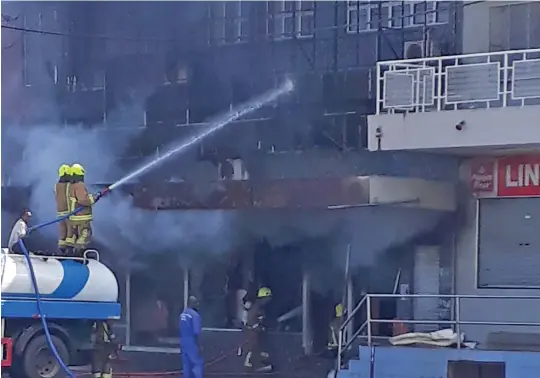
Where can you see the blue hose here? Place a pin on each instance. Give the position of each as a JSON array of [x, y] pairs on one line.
[[42, 316], [60, 219]]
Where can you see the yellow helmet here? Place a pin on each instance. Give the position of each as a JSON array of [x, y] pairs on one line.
[[339, 310], [77, 170], [64, 170], [264, 292]]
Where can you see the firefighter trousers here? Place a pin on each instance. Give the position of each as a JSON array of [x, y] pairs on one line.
[[65, 234], [82, 234], [257, 357], [101, 362]]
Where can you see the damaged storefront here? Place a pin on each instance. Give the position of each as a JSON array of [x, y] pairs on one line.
[[293, 237], [290, 235]]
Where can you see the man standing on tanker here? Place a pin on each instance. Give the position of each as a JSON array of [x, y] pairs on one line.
[[61, 193], [81, 221]]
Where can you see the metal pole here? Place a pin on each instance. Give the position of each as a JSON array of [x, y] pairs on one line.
[[128, 308], [307, 339], [350, 307], [458, 327], [368, 318], [186, 286], [340, 350]]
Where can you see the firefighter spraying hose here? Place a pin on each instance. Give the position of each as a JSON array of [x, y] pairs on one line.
[[218, 124]]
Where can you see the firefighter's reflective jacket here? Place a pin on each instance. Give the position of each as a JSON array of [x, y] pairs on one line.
[[61, 193], [102, 333], [78, 196]]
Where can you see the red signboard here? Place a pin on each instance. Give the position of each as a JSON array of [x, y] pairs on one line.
[[482, 175], [518, 176]]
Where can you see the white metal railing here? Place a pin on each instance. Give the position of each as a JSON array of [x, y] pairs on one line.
[[488, 80], [456, 323]]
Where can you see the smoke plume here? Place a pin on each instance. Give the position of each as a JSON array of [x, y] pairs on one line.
[[118, 225]]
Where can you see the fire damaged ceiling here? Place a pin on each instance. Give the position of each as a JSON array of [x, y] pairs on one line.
[[317, 193]]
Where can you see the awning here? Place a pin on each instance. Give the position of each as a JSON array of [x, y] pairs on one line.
[[317, 193]]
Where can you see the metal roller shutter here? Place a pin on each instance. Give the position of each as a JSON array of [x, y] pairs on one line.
[[509, 242], [426, 281]]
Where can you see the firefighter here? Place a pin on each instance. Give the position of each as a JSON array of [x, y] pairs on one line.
[[104, 349], [190, 331], [257, 357], [82, 221], [335, 325], [61, 193]]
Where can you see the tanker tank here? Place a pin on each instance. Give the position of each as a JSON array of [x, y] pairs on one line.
[[85, 280]]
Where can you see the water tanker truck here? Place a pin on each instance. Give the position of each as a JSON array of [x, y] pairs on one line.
[[74, 293]]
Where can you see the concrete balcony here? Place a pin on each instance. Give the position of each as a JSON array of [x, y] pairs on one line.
[[459, 103]]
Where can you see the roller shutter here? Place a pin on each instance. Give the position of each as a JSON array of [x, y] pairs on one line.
[[426, 281], [509, 242]]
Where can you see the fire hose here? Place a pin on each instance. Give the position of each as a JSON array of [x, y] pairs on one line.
[[50, 343], [42, 316]]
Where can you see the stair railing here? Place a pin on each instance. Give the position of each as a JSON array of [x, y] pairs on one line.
[[350, 338]]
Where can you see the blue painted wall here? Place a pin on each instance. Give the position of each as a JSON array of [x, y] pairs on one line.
[[403, 362]]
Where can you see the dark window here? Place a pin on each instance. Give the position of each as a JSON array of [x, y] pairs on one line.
[[473, 369], [156, 301], [229, 21], [515, 26]]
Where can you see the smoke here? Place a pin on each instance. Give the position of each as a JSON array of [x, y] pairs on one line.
[[118, 225], [128, 231]]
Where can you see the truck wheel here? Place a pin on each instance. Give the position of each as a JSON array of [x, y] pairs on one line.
[[38, 360]]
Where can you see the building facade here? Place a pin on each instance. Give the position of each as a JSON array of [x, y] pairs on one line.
[[480, 106], [148, 74]]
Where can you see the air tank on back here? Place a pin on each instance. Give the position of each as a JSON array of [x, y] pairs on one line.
[[58, 278]]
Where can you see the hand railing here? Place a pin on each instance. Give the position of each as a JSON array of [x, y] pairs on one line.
[[345, 342]]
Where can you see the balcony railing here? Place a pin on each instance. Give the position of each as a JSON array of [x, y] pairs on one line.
[[489, 80], [457, 322]]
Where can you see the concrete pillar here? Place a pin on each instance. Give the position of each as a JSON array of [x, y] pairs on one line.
[[350, 307], [128, 308], [186, 286], [307, 337]]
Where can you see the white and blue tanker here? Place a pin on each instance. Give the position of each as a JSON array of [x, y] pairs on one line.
[[74, 294]]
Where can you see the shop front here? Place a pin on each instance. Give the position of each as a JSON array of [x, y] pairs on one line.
[[498, 249]]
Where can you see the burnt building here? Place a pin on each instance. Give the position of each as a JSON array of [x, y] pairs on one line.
[[146, 74]]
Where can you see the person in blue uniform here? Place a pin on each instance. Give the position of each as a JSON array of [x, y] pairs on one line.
[[190, 330]]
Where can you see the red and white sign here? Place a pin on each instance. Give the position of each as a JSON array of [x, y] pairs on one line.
[[518, 176], [482, 175]]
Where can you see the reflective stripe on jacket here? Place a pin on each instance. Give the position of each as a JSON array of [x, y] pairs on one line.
[[61, 194], [103, 332], [78, 196]]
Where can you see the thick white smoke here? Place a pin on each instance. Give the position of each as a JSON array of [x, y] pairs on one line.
[[118, 224]]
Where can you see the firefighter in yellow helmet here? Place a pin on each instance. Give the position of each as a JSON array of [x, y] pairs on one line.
[[335, 325], [257, 357], [61, 193], [104, 349], [81, 221]]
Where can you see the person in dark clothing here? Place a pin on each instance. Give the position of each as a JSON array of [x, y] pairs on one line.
[[333, 332], [257, 356], [104, 350]]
